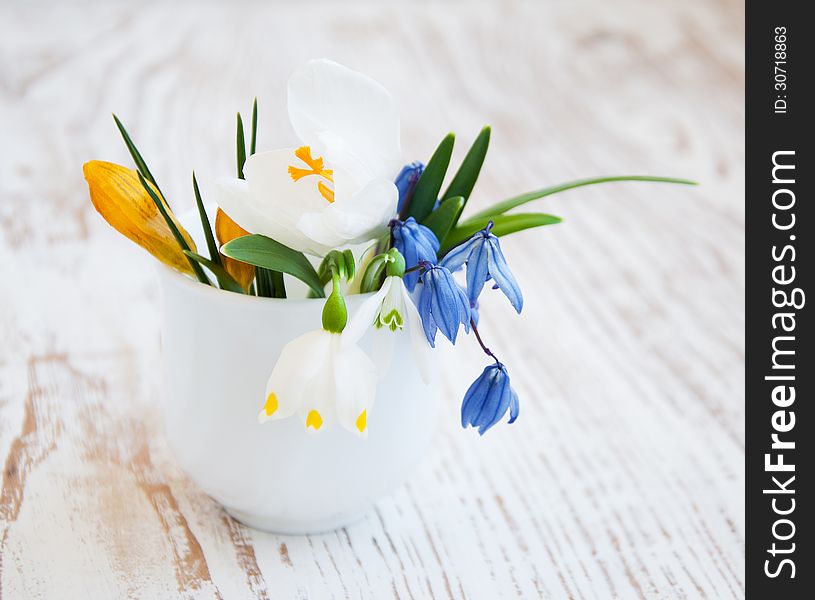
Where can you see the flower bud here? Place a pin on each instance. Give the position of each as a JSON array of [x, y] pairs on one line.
[[335, 314], [406, 182], [395, 263]]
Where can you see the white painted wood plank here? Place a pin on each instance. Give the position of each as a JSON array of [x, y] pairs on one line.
[[622, 478]]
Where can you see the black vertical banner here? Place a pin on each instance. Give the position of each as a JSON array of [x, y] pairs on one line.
[[780, 260]]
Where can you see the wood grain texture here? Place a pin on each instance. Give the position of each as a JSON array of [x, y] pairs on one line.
[[623, 477]]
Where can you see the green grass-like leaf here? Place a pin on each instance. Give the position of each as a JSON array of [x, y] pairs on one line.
[[253, 140], [510, 203], [265, 288], [141, 165], [267, 253], [502, 225], [270, 283], [442, 220], [240, 143], [212, 245], [199, 272], [225, 280], [427, 189], [467, 174], [278, 285]]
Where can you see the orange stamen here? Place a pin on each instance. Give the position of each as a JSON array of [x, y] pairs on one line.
[[297, 174], [316, 167], [326, 192], [304, 154]]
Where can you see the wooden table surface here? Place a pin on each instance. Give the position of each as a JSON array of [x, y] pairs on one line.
[[623, 477]]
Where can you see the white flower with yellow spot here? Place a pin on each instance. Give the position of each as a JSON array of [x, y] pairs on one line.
[[336, 188], [322, 377]]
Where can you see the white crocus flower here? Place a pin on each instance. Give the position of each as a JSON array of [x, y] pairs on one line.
[[336, 188], [390, 312], [322, 377]]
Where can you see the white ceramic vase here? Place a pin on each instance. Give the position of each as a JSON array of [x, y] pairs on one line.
[[219, 349]]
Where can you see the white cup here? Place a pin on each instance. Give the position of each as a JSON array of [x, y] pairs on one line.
[[219, 349]]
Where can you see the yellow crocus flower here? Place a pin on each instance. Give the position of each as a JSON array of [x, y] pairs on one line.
[[118, 195]]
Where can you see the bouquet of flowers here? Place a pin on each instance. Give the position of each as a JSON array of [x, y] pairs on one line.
[[341, 214]]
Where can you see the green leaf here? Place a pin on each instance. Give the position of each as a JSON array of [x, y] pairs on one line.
[[202, 277], [467, 174], [502, 225], [441, 220], [225, 280], [265, 252], [427, 189], [141, 166], [212, 245], [254, 138], [510, 203], [240, 142]]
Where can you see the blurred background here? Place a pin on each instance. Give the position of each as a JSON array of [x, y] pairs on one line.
[[624, 475]]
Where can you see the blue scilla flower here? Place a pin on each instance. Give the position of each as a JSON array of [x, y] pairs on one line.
[[488, 398], [416, 243], [484, 259], [443, 304], [406, 182]]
